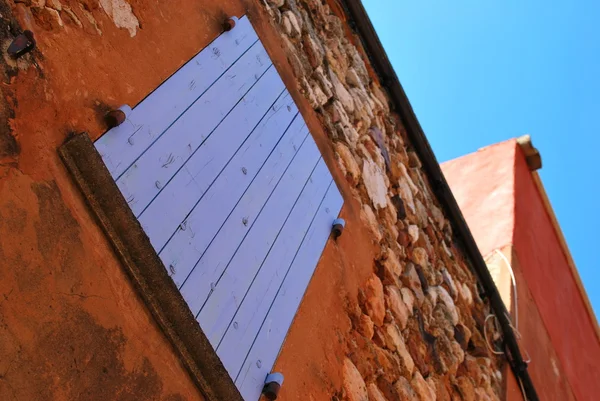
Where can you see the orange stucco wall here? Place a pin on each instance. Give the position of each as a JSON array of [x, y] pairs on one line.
[[71, 324], [481, 186], [506, 211], [545, 368], [554, 288]]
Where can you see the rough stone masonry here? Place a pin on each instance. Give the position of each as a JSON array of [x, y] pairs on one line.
[[418, 331]]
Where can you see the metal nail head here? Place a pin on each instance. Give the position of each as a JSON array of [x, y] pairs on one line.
[[22, 44], [337, 228], [229, 24], [114, 118]]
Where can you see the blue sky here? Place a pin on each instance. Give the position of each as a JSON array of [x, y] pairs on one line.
[[480, 72]]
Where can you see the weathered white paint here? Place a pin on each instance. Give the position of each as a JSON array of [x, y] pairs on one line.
[[263, 353], [229, 193], [282, 214], [212, 263], [191, 137], [230, 187], [121, 146], [241, 329]]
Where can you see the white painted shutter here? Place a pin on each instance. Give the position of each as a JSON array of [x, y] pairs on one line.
[[221, 171]]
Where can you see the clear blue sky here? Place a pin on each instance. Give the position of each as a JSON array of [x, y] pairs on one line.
[[480, 72]]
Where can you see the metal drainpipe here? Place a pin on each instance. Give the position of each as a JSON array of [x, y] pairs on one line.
[[360, 22]]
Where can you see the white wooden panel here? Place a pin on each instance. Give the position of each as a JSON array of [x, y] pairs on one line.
[[229, 185], [265, 237], [213, 207], [145, 178], [120, 146], [275, 326], [210, 159], [214, 261], [246, 323], [197, 231]]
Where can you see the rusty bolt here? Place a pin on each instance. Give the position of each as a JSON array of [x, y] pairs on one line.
[[22, 44], [229, 24], [114, 118]]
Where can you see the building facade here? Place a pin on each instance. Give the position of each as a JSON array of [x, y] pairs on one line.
[[400, 306]]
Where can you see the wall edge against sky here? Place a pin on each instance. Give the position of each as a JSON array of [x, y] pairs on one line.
[[565, 249]]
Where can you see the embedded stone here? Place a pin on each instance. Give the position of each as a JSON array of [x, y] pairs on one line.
[[392, 269], [354, 385], [122, 15], [440, 388], [291, 24], [374, 181], [419, 352], [349, 163], [466, 388], [406, 194], [449, 281], [379, 96], [438, 216], [445, 247], [466, 294], [447, 300], [388, 389], [347, 132], [395, 342], [421, 214], [408, 298], [388, 219], [443, 319], [413, 160], [368, 217], [408, 178], [365, 326], [432, 294], [352, 78], [341, 93], [422, 388], [405, 390], [374, 393], [364, 357], [473, 369], [462, 335], [392, 336], [396, 305], [413, 232], [323, 81], [422, 277], [388, 363], [319, 97], [410, 278], [419, 256], [458, 351], [399, 206], [482, 395], [293, 58], [276, 3], [47, 17], [286, 26], [55, 4], [374, 302], [314, 51]]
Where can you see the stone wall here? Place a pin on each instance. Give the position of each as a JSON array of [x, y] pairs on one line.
[[418, 328]]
